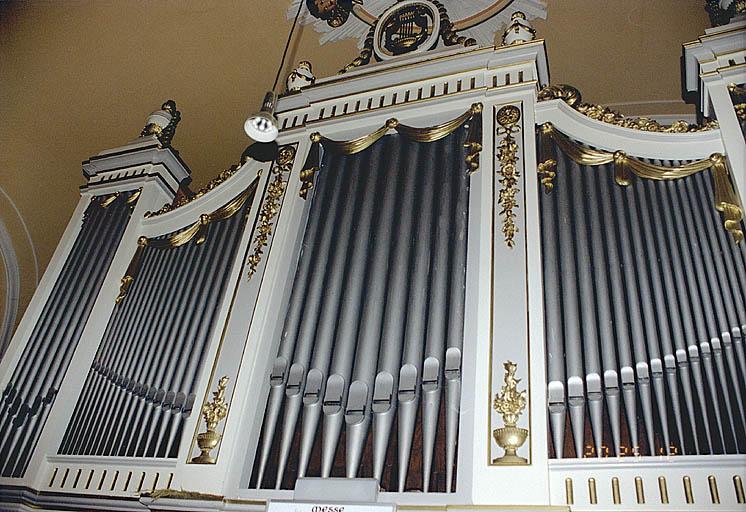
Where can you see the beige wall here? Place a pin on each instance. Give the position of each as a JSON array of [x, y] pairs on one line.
[[77, 77]]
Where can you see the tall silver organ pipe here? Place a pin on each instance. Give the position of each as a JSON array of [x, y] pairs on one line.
[[380, 285], [644, 302], [30, 393], [140, 386]]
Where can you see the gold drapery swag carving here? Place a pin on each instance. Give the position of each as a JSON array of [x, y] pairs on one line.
[[573, 98], [473, 142], [726, 200], [198, 229]]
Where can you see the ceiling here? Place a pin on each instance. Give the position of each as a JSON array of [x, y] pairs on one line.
[[79, 77]]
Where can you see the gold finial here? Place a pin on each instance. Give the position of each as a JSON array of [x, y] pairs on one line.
[[510, 403], [213, 413]]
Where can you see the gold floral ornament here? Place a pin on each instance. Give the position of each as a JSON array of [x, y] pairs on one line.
[[510, 403], [507, 152], [573, 98], [213, 413], [271, 206]]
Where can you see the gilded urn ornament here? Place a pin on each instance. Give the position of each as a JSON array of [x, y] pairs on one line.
[[510, 403], [213, 413]]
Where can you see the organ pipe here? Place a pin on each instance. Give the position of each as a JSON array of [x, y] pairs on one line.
[[666, 299], [382, 301]]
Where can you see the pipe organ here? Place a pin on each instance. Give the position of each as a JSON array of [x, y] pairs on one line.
[[454, 285]]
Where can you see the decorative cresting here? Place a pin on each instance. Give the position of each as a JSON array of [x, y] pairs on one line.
[[162, 123], [198, 229], [33, 385], [573, 98], [473, 142], [271, 206], [507, 152], [213, 413], [726, 198], [510, 403], [184, 199]]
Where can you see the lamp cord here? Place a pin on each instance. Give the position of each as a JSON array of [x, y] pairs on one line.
[[287, 44]]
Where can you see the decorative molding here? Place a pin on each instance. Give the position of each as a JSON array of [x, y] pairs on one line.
[[271, 206], [507, 152], [573, 98], [184, 200]]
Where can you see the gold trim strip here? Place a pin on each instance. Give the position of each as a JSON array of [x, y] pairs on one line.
[[738, 484], [714, 495], [639, 491], [615, 491], [569, 498], [663, 488], [592, 495], [688, 490]]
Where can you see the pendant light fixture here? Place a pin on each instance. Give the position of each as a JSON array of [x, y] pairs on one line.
[[263, 126]]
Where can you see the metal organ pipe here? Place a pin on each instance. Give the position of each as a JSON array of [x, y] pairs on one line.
[[635, 314], [436, 322], [341, 210], [605, 319], [553, 324], [455, 333], [668, 281], [337, 385], [410, 374], [279, 375], [590, 341], [61, 347], [392, 333], [659, 317], [679, 311], [571, 311], [719, 252], [358, 410], [687, 290], [14, 408], [312, 261], [384, 291], [711, 295]]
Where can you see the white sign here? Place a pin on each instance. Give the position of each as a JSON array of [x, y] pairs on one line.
[[300, 506]]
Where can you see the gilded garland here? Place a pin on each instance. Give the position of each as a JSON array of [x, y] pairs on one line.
[[507, 153], [472, 144], [573, 98], [271, 206], [726, 198]]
